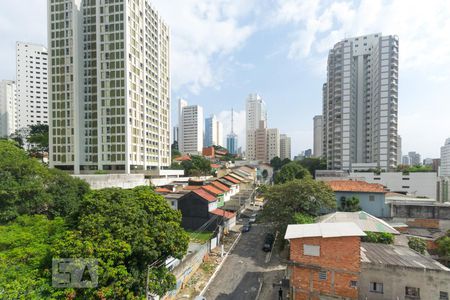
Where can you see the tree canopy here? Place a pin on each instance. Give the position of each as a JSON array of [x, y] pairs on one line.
[[305, 196], [350, 204], [291, 171], [28, 187], [126, 230], [312, 164], [197, 166]]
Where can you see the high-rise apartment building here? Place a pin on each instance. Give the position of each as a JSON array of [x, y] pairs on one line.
[[360, 103], [7, 107], [191, 130], [255, 113], [415, 159], [445, 159], [213, 132], [285, 147], [109, 86], [232, 143], [32, 98], [267, 143], [273, 143], [318, 136], [399, 150]]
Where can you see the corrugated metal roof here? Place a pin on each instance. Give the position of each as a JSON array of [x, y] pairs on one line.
[[231, 179], [365, 221], [393, 255], [223, 213], [212, 190], [220, 186], [325, 230]]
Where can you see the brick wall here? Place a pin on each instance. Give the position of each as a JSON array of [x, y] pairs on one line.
[[339, 258], [424, 223]]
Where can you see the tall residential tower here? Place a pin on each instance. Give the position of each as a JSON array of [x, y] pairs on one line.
[[7, 107], [109, 86], [361, 103], [32, 98], [256, 112], [318, 136]]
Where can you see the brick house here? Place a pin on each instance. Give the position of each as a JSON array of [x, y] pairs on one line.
[[324, 260]]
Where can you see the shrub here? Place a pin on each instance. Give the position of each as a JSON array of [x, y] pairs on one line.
[[378, 237], [417, 244]]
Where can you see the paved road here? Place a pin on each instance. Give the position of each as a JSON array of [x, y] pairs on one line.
[[246, 269]]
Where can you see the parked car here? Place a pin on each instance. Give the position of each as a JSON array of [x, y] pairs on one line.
[[252, 218], [268, 242], [246, 227]]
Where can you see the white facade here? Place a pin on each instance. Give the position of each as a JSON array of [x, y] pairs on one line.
[[419, 184], [445, 159], [191, 133], [285, 147], [110, 86], [361, 103], [399, 150], [318, 136], [213, 132], [32, 99], [7, 107], [255, 111]]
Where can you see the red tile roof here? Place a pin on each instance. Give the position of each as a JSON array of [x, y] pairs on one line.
[[205, 195], [355, 186], [162, 190], [192, 187], [223, 213], [232, 179], [212, 190], [215, 166], [234, 175], [220, 186], [183, 158]]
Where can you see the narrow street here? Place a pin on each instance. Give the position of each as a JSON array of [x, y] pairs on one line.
[[248, 271]]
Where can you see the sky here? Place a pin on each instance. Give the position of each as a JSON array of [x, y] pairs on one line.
[[222, 50]]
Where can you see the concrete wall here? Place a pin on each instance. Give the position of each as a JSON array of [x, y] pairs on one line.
[[421, 211], [395, 279], [418, 184], [377, 207], [125, 181]]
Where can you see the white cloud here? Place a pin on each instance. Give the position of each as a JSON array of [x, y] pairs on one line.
[[204, 34], [239, 124]]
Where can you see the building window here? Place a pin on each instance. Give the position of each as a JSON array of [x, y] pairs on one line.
[[443, 296], [376, 287], [371, 198], [322, 275], [405, 187], [353, 284], [412, 292], [311, 250]]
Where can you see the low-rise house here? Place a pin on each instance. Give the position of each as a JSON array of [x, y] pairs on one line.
[[216, 193], [234, 187], [365, 221], [226, 190], [173, 198], [324, 260], [228, 218], [328, 261], [371, 196], [397, 272], [195, 208]]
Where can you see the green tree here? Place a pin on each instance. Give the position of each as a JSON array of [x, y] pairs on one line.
[[127, 231], [350, 205], [276, 163], [444, 247], [300, 218], [265, 174], [28, 187], [417, 244], [197, 166], [312, 164], [306, 196], [378, 237], [175, 150], [291, 171], [25, 259]]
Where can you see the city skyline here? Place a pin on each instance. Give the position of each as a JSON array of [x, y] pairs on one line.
[[235, 58]]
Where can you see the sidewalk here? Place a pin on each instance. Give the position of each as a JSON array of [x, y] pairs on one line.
[[201, 277]]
